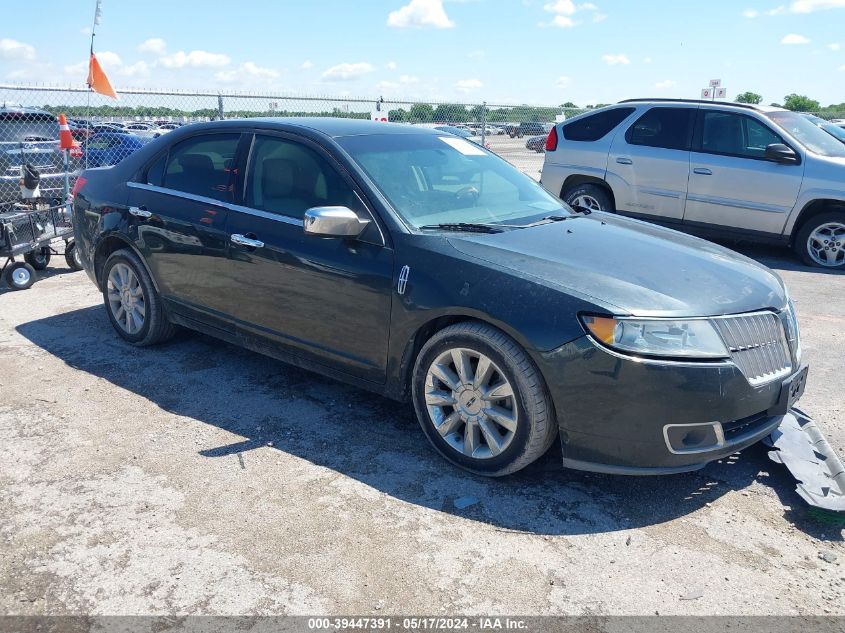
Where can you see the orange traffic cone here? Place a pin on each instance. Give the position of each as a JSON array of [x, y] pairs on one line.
[[65, 137]]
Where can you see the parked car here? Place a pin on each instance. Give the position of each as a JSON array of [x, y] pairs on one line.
[[536, 143], [425, 268], [109, 148], [723, 170], [834, 130], [528, 128], [29, 135]]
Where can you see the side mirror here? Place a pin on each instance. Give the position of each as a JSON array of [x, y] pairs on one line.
[[333, 222], [781, 153]]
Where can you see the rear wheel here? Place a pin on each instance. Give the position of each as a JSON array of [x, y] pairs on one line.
[[481, 401], [72, 256], [821, 241], [19, 276], [39, 259], [588, 196], [132, 303]]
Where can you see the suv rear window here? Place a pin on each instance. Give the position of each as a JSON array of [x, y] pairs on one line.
[[595, 126], [17, 127], [669, 128]]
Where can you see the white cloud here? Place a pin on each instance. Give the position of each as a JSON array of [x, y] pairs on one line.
[[254, 70], [564, 11], [307, 64], [565, 7], [842, 69], [750, 13], [468, 85], [835, 46], [154, 45], [615, 60], [663, 85], [409, 79], [794, 38], [13, 49], [563, 81], [391, 65], [343, 72], [647, 60], [420, 13], [599, 17], [777, 11], [109, 59], [563, 21], [194, 59], [809, 6], [387, 86]]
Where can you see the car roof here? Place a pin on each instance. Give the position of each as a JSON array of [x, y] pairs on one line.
[[721, 104], [329, 126]]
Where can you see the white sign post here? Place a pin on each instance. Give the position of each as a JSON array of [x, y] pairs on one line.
[[715, 91], [715, 83], [707, 93]]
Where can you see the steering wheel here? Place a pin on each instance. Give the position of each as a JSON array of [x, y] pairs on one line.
[[468, 192]]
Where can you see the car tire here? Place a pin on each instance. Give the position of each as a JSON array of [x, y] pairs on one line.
[[486, 436], [19, 275], [72, 256], [129, 293], [821, 241], [39, 259], [592, 197]]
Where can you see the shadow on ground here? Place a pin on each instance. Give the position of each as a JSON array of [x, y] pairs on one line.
[[378, 441]]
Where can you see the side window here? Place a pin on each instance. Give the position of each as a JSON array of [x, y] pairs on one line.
[[155, 172], [735, 134], [202, 166], [595, 126], [669, 128], [288, 178]]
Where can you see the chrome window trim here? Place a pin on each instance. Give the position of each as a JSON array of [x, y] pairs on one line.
[[226, 205]]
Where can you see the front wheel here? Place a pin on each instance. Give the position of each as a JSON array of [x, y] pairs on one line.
[[19, 276], [481, 401], [821, 241], [39, 259], [588, 196], [132, 303]]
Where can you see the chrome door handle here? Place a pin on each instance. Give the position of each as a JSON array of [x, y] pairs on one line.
[[243, 240], [140, 212], [624, 161], [702, 171]]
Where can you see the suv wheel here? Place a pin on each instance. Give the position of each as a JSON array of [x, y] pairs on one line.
[[821, 241], [132, 303], [481, 401], [587, 196]]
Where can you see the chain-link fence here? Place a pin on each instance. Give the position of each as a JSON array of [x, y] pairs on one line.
[[107, 131]]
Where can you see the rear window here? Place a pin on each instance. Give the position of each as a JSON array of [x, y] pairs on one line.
[[595, 126], [19, 127], [669, 128]]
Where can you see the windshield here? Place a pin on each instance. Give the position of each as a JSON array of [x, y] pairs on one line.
[[454, 130], [834, 130], [25, 126], [808, 134], [432, 179]]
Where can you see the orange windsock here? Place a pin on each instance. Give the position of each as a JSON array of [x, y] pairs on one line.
[[97, 79], [65, 137]]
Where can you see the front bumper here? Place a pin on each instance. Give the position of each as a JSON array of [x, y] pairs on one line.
[[614, 411]]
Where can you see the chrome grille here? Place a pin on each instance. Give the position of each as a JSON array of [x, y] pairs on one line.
[[757, 345]]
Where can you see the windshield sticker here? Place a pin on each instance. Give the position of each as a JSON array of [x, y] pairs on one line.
[[464, 147]]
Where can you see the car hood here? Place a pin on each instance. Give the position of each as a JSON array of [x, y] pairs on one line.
[[632, 267]]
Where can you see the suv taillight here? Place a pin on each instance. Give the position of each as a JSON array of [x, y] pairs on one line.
[[551, 140]]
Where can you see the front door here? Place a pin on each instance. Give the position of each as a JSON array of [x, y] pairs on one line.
[[732, 184], [179, 211], [648, 166], [325, 299]]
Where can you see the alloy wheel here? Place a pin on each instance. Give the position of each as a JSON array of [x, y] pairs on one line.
[[21, 276], [586, 202], [471, 403], [126, 298], [826, 244]]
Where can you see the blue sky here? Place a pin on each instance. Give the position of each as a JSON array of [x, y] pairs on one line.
[[502, 51]]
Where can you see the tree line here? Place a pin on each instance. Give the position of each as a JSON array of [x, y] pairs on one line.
[[795, 102]]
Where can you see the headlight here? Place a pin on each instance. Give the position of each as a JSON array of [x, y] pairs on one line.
[[694, 338], [792, 332]]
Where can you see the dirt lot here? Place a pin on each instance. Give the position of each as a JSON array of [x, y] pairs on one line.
[[198, 478]]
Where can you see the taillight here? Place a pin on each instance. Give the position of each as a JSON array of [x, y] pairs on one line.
[[551, 140], [78, 185]]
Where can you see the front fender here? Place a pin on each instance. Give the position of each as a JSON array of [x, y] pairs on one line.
[[805, 199]]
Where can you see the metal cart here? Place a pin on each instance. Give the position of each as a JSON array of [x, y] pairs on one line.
[[28, 230]]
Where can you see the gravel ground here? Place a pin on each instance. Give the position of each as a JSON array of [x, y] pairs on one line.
[[199, 478]]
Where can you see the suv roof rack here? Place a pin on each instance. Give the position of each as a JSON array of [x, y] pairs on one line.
[[707, 101]]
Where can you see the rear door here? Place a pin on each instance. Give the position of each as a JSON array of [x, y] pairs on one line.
[[179, 212], [324, 299], [648, 166], [732, 184]]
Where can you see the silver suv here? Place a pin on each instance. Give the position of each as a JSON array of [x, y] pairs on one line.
[[724, 170]]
